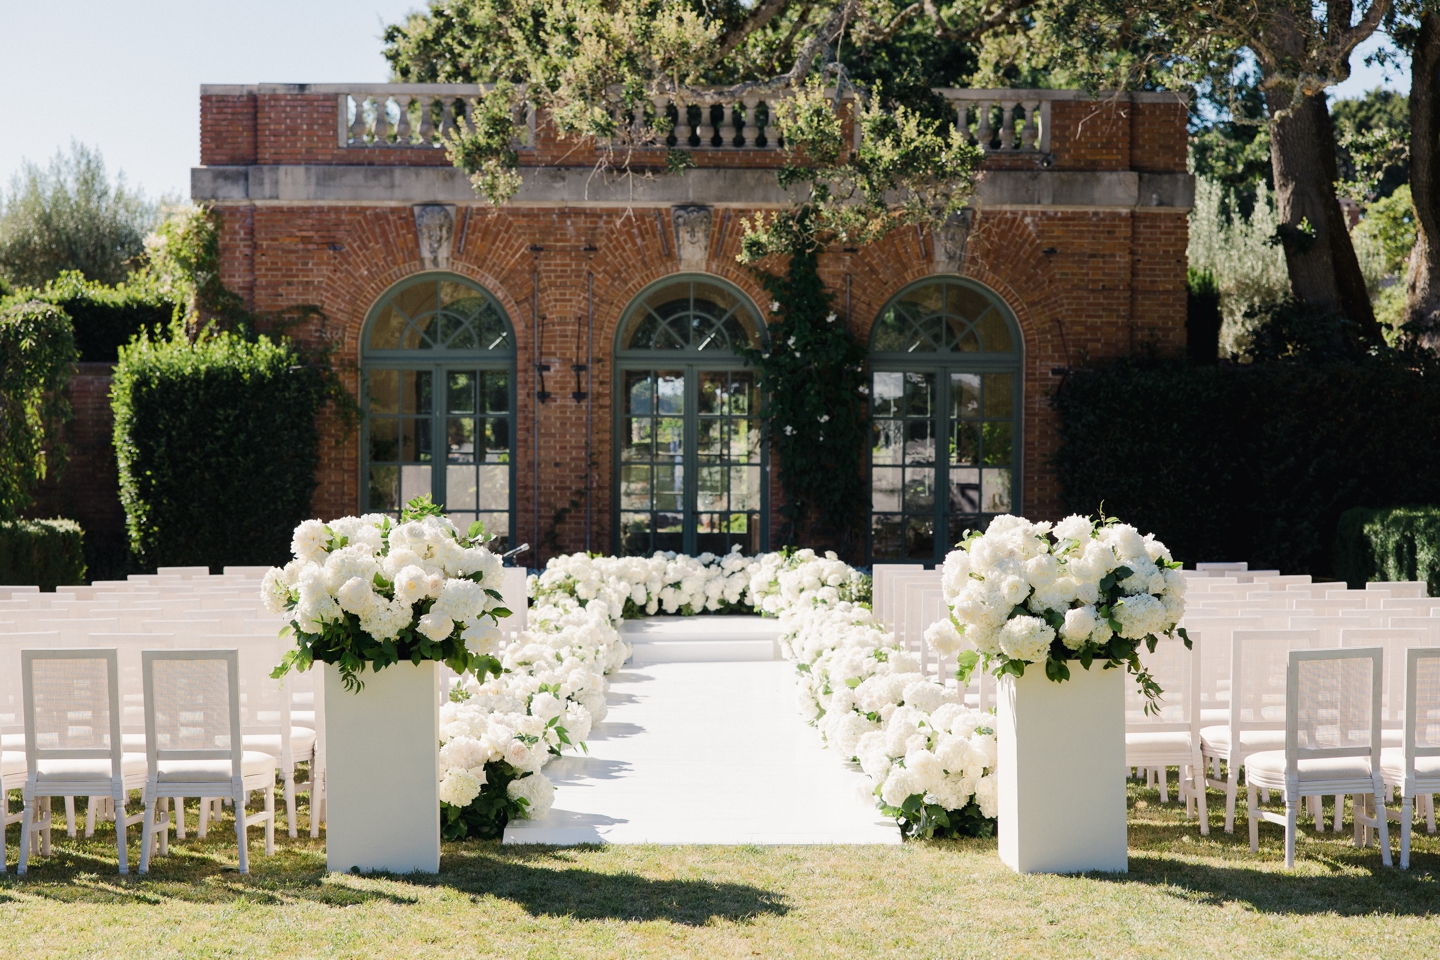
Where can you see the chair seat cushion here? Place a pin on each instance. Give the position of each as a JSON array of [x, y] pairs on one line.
[[302, 743], [1270, 766], [131, 764], [1392, 737], [12, 741], [253, 763], [302, 718], [1167, 743], [1392, 765], [12, 762], [1217, 739]]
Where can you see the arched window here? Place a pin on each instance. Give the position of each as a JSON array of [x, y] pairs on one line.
[[945, 418], [689, 461], [438, 360]]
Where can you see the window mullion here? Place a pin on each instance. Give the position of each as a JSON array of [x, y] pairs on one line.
[[691, 460], [943, 430]]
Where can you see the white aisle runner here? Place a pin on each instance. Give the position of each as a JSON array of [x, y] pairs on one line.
[[704, 751]]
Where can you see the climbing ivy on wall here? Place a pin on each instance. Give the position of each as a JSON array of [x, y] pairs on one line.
[[812, 374]]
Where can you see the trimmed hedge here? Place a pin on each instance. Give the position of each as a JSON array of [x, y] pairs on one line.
[[46, 553], [1401, 543], [217, 447], [1248, 462], [37, 354], [105, 318]]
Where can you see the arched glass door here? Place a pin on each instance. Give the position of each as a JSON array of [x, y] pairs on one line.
[[438, 366], [689, 460], [945, 359]]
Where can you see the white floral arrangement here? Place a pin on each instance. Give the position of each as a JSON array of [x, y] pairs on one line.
[[367, 592], [667, 582], [1023, 594]]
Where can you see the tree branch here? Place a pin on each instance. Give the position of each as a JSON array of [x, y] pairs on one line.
[[759, 17]]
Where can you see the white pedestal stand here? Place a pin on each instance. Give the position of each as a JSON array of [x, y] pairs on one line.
[[383, 770], [1062, 755]]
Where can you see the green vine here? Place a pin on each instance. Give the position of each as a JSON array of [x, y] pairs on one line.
[[37, 352], [812, 374]]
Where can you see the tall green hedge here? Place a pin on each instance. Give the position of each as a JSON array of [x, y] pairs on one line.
[[105, 318], [1399, 543], [1248, 462], [37, 353], [217, 447], [46, 553]]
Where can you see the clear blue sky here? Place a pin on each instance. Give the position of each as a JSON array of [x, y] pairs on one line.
[[124, 76]]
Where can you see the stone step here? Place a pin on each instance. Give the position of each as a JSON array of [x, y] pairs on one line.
[[702, 639]]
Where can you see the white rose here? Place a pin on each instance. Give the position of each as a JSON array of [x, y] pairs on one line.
[[1014, 589], [308, 542], [411, 582], [354, 595], [436, 626], [1079, 624], [1074, 527], [1027, 639]]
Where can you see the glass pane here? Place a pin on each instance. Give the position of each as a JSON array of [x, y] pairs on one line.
[[496, 391], [710, 438], [744, 490], [888, 390], [885, 537], [639, 392], [384, 391], [744, 395], [714, 387], [669, 533], [497, 440], [641, 335], [385, 332], [995, 333], [670, 392], [969, 342], [888, 442], [460, 298], [958, 526], [995, 491], [460, 391], [494, 487], [885, 488], [635, 534], [414, 440], [919, 441], [635, 486], [636, 441], [996, 448], [669, 438], [891, 332], [926, 299], [459, 334], [965, 443], [999, 395], [384, 440], [929, 336], [710, 489], [964, 490], [919, 394], [415, 392], [420, 298], [417, 335], [965, 395], [460, 439], [919, 490], [713, 299], [744, 441], [414, 482], [384, 488], [963, 301], [669, 486], [919, 538], [460, 488], [492, 329]]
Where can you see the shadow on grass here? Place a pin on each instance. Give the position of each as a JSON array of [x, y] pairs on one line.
[[543, 881]]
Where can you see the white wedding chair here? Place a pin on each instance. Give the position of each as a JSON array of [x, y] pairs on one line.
[[1329, 628], [1257, 705], [1170, 738], [1413, 769], [1332, 743], [73, 746], [194, 745], [881, 604]]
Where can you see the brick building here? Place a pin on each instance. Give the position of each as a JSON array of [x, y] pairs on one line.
[[561, 366]]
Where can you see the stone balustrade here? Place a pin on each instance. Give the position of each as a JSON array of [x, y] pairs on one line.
[[415, 115], [1005, 121]]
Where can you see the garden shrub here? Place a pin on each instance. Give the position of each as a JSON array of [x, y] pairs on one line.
[[46, 553], [106, 318], [216, 444], [1250, 462], [37, 353], [1399, 543]]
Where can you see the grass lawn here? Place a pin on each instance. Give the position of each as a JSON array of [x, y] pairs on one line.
[[1184, 897]]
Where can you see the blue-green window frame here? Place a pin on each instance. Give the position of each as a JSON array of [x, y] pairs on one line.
[[934, 349], [440, 361]]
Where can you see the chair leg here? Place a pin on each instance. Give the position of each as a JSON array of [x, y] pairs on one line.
[[91, 803], [1429, 813], [204, 818], [1264, 795], [147, 834], [1382, 822], [1230, 787], [1357, 808], [122, 839], [1252, 815], [164, 826], [270, 819], [26, 815], [1292, 809], [1406, 814], [242, 834], [1164, 773], [44, 825], [70, 817], [1339, 810], [290, 801], [317, 801], [179, 818]]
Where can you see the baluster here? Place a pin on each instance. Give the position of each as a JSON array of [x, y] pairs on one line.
[[662, 112], [962, 119], [447, 116], [382, 122], [727, 125], [983, 131], [357, 126], [1007, 124], [427, 122], [402, 125], [1031, 130], [748, 128]]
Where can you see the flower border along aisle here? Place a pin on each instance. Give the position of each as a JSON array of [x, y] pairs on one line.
[[1027, 594]]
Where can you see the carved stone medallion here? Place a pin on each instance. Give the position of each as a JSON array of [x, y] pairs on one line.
[[435, 230], [949, 240], [692, 235]]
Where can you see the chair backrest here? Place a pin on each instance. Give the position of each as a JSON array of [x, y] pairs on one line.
[[1333, 606], [1394, 642], [192, 706], [1258, 670], [1401, 588], [916, 593], [1411, 622], [12, 689], [880, 603], [517, 601], [1422, 704], [1329, 628], [72, 706], [1176, 668], [1332, 705], [1225, 567], [895, 586]]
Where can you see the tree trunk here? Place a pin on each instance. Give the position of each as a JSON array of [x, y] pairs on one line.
[[1422, 302], [1324, 271]]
